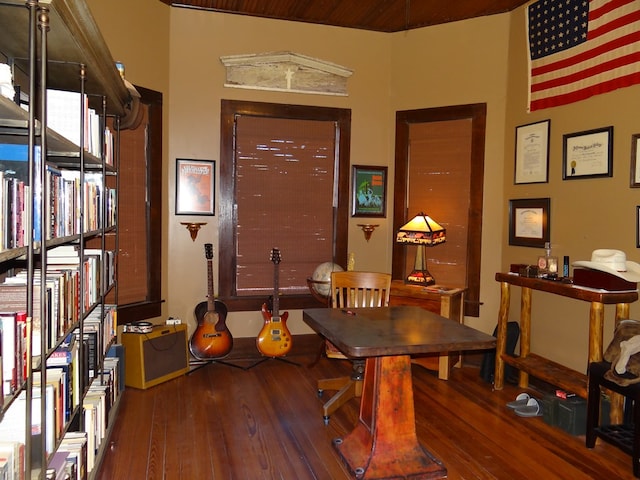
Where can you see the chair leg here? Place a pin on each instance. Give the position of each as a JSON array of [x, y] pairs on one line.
[[636, 438], [345, 394], [593, 411]]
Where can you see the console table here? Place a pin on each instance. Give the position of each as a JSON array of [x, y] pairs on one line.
[[444, 300], [542, 368]]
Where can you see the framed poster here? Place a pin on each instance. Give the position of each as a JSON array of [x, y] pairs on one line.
[[529, 222], [588, 154], [369, 191], [195, 184], [532, 153], [635, 161]]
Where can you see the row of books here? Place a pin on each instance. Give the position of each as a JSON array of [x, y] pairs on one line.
[[64, 110], [99, 203], [68, 452]]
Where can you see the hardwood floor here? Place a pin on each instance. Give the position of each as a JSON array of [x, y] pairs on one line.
[[221, 422]]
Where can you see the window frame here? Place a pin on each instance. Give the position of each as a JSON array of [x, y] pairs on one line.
[[226, 257]]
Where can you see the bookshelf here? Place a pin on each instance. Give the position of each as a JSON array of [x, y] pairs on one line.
[[60, 367]]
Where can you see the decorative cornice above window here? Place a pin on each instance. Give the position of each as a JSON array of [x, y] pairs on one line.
[[285, 72]]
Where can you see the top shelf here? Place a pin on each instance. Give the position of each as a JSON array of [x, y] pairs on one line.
[[73, 40]]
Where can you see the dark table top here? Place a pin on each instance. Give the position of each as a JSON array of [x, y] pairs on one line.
[[400, 330]]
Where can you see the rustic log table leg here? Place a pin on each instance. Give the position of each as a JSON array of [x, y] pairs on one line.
[[501, 334], [525, 332], [384, 444]]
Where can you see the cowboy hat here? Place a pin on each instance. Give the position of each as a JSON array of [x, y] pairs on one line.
[[613, 262]]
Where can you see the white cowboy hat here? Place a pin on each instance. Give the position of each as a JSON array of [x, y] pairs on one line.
[[613, 262]]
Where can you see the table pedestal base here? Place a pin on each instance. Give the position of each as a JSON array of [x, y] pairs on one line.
[[384, 444]]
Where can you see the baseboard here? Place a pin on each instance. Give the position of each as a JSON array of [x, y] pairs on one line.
[[245, 348]]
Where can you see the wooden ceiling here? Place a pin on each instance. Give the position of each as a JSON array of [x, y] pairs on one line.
[[376, 15]]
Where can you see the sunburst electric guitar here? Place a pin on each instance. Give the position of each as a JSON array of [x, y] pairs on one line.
[[212, 338], [274, 340]]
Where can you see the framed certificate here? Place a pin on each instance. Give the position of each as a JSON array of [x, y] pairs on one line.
[[529, 222], [532, 153], [588, 154]]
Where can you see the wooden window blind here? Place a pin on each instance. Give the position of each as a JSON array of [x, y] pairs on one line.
[[285, 189]]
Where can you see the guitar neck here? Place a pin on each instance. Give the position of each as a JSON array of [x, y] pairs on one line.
[[210, 298]]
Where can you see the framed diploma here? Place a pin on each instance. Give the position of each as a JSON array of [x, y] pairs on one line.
[[532, 153], [195, 184], [529, 222], [635, 160], [588, 154]]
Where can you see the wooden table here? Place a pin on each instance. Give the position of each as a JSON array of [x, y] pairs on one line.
[[442, 299], [551, 372], [384, 443]]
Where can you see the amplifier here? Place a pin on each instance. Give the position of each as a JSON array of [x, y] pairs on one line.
[[155, 357]]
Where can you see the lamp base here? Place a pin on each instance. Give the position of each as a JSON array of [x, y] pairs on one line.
[[420, 277]]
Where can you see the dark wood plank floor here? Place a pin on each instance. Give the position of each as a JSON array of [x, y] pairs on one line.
[[221, 422]]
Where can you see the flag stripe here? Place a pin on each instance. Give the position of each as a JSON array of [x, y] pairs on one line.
[[579, 49]]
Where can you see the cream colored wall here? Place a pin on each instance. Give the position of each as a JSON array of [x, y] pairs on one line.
[[198, 40], [585, 214], [455, 64]]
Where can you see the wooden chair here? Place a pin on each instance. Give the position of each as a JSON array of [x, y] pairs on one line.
[[351, 289]]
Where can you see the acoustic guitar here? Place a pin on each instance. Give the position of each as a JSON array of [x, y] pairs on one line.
[[274, 339], [211, 339]]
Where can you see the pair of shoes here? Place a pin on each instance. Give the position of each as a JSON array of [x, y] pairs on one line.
[[533, 408]]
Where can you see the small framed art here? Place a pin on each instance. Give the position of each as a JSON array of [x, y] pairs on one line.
[[588, 154], [529, 222], [532, 153], [635, 160], [195, 187], [369, 191]]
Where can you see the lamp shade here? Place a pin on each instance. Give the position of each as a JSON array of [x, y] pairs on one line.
[[422, 230]]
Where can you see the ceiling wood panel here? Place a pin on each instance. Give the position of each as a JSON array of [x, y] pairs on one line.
[[375, 15]]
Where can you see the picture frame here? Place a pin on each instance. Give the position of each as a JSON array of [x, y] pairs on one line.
[[369, 191], [532, 153], [195, 187], [635, 161], [529, 224], [638, 226], [588, 154]]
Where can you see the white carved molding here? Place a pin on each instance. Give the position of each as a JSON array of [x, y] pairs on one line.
[[285, 72]]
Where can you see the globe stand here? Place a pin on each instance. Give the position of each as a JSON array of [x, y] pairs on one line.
[[311, 283]]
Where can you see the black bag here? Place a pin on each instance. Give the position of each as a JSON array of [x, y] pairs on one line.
[[488, 367]]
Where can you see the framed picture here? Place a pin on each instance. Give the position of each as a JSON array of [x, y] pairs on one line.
[[529, 222], [588, 154], [638, 226], [532, 153], [635, 161], [195, 184], [369, 191]]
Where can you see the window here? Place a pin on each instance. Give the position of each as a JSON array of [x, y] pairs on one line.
[[440, 168], [284, 173]]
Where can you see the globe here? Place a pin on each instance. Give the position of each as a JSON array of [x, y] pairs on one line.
[[322, 273]]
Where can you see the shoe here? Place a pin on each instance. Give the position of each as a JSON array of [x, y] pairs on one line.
[[520, 401], [531, 409]]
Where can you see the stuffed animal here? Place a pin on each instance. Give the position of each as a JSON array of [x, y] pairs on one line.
[[624, 354]]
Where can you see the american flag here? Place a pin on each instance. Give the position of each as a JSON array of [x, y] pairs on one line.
[[581, 48]]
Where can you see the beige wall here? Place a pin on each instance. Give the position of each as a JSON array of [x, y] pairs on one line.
[[177, 51]]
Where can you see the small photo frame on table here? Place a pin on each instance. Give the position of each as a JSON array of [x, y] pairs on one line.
[[529, 222], [588, 154], [195, 187], [635, 160], [532, 153], [369, 191]]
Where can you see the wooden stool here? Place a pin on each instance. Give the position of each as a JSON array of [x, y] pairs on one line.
[[626, 436]]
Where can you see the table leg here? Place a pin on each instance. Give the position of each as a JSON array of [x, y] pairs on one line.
[[525, 332], [501, 334], [384, 443]]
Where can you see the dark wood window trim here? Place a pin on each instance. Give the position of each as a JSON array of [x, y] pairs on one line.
[[151, 307], [477, 113], [228, 214]]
